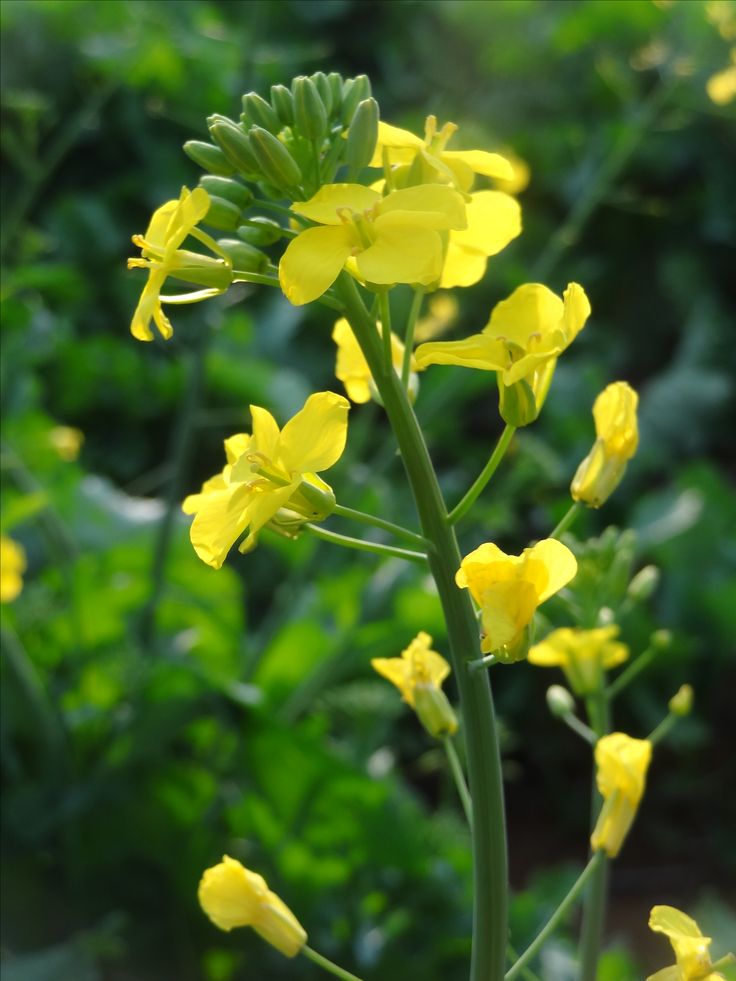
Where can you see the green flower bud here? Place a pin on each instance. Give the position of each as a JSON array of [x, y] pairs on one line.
[[230, 190], [234, 144], [315, 503], [310, 115], [325, 91], [681, 703], [335, 82], [661, 639], [644, 583], [260, 231], [274, 161], [362, 136], [245, 258], [559, 701], [283, 103], [258, 112], [516, 402], [208, 157], [223, 215], [434, 710], [354, 91]]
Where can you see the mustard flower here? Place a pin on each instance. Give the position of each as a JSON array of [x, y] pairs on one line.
[[266, 471], [494, 220], [622, 764], [233, 896], [688, 943], [721, 87], [509, 588], [67, 442], [352, 368], [582, 654], [617, 437], [162, 256], [383, 240], [12, 567], [418, 674]]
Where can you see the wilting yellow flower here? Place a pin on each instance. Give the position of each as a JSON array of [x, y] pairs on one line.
[[352, 368], [267, 471], [12, 567], [442, 311], [388, 240], [494, 219], [622, 764], [170, 225], [721, 87], [429, 161], [688, 943], [617, 437], [509, 588], [418, 674], [233, 896], [582, 654], [67, 441]]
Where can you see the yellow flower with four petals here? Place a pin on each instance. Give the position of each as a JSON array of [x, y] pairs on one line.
[[582, 654], [617, 432], [621, 769], [688, 943]]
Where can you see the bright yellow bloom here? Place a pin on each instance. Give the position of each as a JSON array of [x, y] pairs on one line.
[[352, 368], [67, 441], [12, 567], [418, 674], [582, 654], [267, 471], [521, 178], [431, 161], [527, 330], [388, 240], [721, 87], [622, 764], [688, 943], [442, 311], [617, 437], [162, 256], [494, 219], [509, 588], [233, 896]]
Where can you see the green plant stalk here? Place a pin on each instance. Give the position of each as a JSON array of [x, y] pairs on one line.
[[626, 677], [459, 777], [566, 520], [661, 731], [328, 965], [363, 546], [484, 476], [490, 869], [375, 522], [416, 306], [526, 972], [590, 869]]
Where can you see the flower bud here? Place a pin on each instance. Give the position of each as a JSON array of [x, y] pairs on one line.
[[559, 701], [315, 502], [354, 91], [283, 103], [234, 144], [681, 703], [261, 231], [325, 91], [434, 710], [661, 639], [274, 161], [310, 115], [208, 157], [362, 136], [335, 82], [520, 403], [245, 258], [230, 190], [222, 214], [644, 583], [258, 112]]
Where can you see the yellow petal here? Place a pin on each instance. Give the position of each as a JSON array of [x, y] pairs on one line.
[[266, 433], [398, 671], [313, 261], [221, 518], [263, 504], [463, 266], [673, 922], [230, 895], [12, 567], [482, 162], [402, 253], [494, 219], [237, 445], [315, 437], [327, 203], [506, 609], [531, 309], [478, 351], [434, 205], [149, 306], [396, 139], [576, 310], [667, 974], [560, 564], [614, 412]]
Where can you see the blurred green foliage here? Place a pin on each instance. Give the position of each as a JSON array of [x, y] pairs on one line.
[[155, 713]]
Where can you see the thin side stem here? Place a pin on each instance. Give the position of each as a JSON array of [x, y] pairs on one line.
[[328, 965], [570, 899], [526, 973], [459, 777], [485, 475], [567, 519], [482, 662], [663, 729], [416, 306], [370, 519], [363, 546], [384, 306], [632, 671], [579, 728]]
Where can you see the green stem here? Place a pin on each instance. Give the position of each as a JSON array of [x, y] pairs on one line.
[[363, 546], [416, 306], [485, 475], [482, 662], [567, 519], [278, 208], [322, 961], [370, 519], [490, 869], [631, 672], [579, 727], [384, 305], [662, 730], [526, 973], [570, 899], [459, 777]]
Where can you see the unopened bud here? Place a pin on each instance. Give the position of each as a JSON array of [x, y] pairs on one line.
[[230, 190], [274, 161], [434, 710], [222, 214], [644, 583], [559, 701], [208, 157], [283, 103], [310, 115], [681, 703], [234, 144], [325, 91], [516, 403], [354, 91], [362, 136], [661, 639], [335, 82], [260, 231], [244, 257], [315, 502], [258, 112]]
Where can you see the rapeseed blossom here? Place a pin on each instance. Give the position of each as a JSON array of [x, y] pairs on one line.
[[494, 220], [233, 896], [688, 943], [582, 654], [617, 438], [382, 240], [352, 368], [509, 588], [12, 567], [266, 471], [622, 764]]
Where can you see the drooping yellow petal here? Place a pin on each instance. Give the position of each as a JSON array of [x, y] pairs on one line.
[[621, 768], [397, 139], [559, 563], [402, 253], [462, 266], [313, 261], [331, 199], [418, 674], [221, 518], [481, 162], [479, 351], [315, 437], [494, 219]]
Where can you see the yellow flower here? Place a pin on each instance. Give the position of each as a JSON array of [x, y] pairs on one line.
[[521, 178], [233, 896], [162, 257], [267, 471], [582, 654], [388, 240], [494, 219], [509, 588], [688, 943], [622, 764], [352, 368], [12, 567], [527, 330], [441, 315], [67, 441], [418, 674], [614, 414], [721, 87]]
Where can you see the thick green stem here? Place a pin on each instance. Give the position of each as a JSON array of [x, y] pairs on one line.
[[363, 546], [484, 476], [459, 777], [375, 522], [328, 965], [490, 870]]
